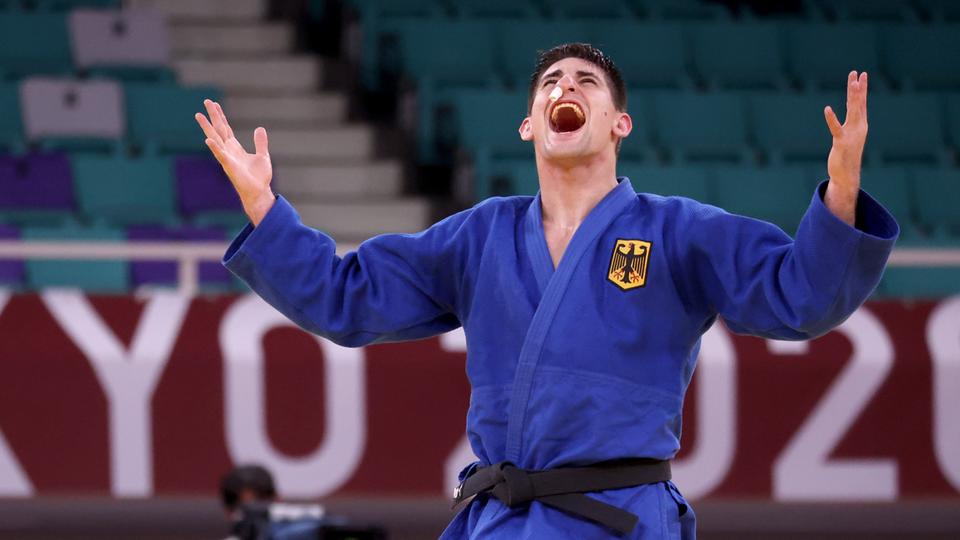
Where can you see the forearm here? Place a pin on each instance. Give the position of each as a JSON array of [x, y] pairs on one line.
[[841, 199]]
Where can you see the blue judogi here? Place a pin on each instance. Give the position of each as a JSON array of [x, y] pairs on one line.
[[578, 364]]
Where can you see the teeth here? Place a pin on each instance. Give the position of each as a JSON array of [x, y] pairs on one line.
[[576, 108]]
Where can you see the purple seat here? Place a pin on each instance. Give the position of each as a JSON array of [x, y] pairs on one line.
[[36, 187], [162, 272], [202, 187], [11, 272]]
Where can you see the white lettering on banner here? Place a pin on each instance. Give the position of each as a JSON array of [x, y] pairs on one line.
[[13, 481], [462, 455], [244, 326], [804, 471], [943, 338], [705, 467], [128, 377]]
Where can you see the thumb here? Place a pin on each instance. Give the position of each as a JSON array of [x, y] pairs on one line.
[[832, 122], [260, 141]]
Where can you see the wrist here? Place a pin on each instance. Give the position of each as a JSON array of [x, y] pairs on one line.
[[257, 207]]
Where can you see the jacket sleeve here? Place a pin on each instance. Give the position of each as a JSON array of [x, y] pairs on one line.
[[393, 287], [764, 283]]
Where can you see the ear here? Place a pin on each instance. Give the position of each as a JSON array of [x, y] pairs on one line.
[[526, 129], [623, 125]]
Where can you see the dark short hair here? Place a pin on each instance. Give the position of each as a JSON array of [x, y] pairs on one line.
[[583, 51], [254, 478]]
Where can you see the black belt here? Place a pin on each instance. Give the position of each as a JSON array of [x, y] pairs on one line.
[[564, 488]]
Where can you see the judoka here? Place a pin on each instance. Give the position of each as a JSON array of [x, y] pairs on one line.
[[583, 306]]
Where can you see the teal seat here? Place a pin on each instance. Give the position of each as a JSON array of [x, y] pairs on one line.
[[11, 124], [649, 55], [938, 200], [684, 181], [640, 144], [875, 10], [696, 127], [738, 55], [68, 5], [680, 10], [125, 191], [890, 186], [952, 118], [791, 127], [160, 116], [919, 55], [516, 176], [779, 195], [890, 116], [518, 44], [588, 9], [497, 9], [821, 55], [940, 10], [95, 276], [34, 44]]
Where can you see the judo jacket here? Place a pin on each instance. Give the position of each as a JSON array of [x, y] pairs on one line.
[[588, 361]]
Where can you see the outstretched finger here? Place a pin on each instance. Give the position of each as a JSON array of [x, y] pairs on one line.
[[223, 119], [215, 121], [207, 128], [853, 97], [863, 94], [832, 122], [260, 141]]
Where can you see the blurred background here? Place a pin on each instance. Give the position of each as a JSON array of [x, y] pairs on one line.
[[135, 371]]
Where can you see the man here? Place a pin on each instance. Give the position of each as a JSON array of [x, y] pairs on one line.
[[573, 371]]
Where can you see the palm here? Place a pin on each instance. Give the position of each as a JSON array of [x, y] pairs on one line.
[[249, 173], [846, 154]]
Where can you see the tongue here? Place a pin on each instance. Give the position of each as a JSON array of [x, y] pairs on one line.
[[567, 120]]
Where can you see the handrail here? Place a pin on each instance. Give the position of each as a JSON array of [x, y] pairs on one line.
[[189, 254]]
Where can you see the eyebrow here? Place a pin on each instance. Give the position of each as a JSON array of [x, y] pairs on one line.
[[559, 73]]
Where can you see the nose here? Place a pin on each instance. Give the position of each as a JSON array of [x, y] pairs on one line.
[[567, 83]]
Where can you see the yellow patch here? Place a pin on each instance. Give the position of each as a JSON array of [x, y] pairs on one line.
[[628, 264]]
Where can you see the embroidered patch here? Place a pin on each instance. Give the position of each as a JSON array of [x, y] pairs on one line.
[[628, 264]]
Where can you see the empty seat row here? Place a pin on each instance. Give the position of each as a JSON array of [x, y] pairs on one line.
[[121, 43], [54, 189], [923, 200], [117, 276], [102, 114]]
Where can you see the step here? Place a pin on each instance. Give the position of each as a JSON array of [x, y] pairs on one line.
[[358, 221], [260, 76], [314, 183], [219, 40], [310, 110], [340, 145], [208, 10]]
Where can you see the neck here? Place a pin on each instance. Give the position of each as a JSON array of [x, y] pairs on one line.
[[569, 191]]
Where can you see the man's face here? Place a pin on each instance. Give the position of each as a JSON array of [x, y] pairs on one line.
[[582, 122]]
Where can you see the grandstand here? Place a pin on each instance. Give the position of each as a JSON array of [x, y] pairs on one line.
[[386, 115]]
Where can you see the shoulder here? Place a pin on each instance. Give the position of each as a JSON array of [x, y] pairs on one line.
[[677, 209]]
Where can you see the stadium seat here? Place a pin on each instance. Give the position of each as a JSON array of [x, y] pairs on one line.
[[940, 10], [588, 9], [36, 189], [67, 5], [694, 126], [518, 43], [510, 177], [125, 191], [160, 116], [821, 55], [11, 271], [738, 55], [779, 195], [497, 9], [689, 10], [938, 200], [877, 10], [684, 181], [71, 114], [790, 127], [649, 55], [11, 125], [95, 276], [127, 44], [205, 195], [906, 128], [919, 55], [640, 144], [211, 274], [22, 53], [952, 119]]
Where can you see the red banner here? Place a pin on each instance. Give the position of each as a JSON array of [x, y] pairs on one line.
[[160, 394]]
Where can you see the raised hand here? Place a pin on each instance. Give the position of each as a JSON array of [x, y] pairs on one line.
[[249, 173], [846, 155]]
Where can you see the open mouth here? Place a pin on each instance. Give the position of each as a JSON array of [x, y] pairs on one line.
[[566, 117]]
